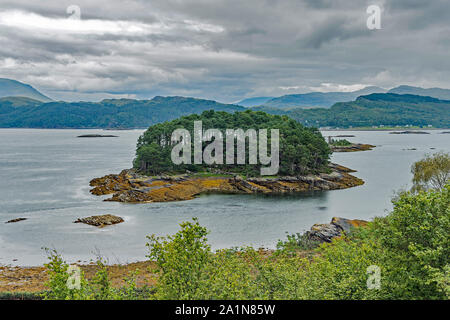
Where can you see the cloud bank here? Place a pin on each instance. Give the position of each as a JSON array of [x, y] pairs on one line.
[[223, 49]]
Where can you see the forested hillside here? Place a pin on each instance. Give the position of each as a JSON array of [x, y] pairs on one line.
[[371, 110], [120, 113], [374, 110]]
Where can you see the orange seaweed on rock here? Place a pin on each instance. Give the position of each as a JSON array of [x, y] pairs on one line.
[[130, 186]]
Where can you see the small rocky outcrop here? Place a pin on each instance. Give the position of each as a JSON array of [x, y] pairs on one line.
[[100, 221], [352, 148], [16, 220], [97, 136], [326, 232], [409, 132]]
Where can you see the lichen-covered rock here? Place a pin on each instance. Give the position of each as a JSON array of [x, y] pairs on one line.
[[100, 221], [347, 224], [326, 232]]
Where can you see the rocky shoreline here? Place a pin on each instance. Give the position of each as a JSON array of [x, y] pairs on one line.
[[132, 187]]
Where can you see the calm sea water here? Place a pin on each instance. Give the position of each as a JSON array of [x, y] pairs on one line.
[[45, 177]]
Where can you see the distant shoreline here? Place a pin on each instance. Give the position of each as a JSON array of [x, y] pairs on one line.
[[145, 128], [385, 129]]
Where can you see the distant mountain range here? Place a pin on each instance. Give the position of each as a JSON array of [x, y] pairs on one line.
[[358, 109], [253, 102], [327, 99], [443, 94], [319, 99], [111, 113], [388, 109], [13, 88], [309, 100]]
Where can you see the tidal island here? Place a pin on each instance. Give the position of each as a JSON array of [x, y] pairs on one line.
[[300, 154]]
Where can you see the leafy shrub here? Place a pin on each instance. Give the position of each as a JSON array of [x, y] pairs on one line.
[[181, 261], [432, 172], [410, 247], [98, 288], [296, 242]]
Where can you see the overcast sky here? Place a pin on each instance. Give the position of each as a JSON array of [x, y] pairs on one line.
[[221, 49]]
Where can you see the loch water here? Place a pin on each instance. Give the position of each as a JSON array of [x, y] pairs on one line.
[[45, 174]]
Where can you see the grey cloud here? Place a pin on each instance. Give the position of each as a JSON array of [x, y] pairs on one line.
[[263, 45]]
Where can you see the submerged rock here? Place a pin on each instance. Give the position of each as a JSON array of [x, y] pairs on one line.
[[100, 221], [16, 220], [326, 232]]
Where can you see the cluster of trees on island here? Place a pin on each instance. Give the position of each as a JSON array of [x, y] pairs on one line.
[[302, 149]]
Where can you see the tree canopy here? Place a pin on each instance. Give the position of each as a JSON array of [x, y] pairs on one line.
[[302, 150], [432, 172]]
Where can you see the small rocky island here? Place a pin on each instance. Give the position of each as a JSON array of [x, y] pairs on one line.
[[344, 145], [409, 132], [354, 147], [100, 221], [97, 136], [16, 220], [131, 186], [303, 163]]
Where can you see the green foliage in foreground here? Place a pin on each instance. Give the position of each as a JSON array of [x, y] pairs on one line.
[[302, 150], [98, 288], [410, 247]]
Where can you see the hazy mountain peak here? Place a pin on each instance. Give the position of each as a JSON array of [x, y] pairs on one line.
[[439, 93], [13, 88], [320, 99]]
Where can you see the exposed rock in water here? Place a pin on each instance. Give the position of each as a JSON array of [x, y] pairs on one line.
[[130, 186], [97, 136], [409, 132], [16, 220], [352, 148], [326, 232], [100, 221]]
